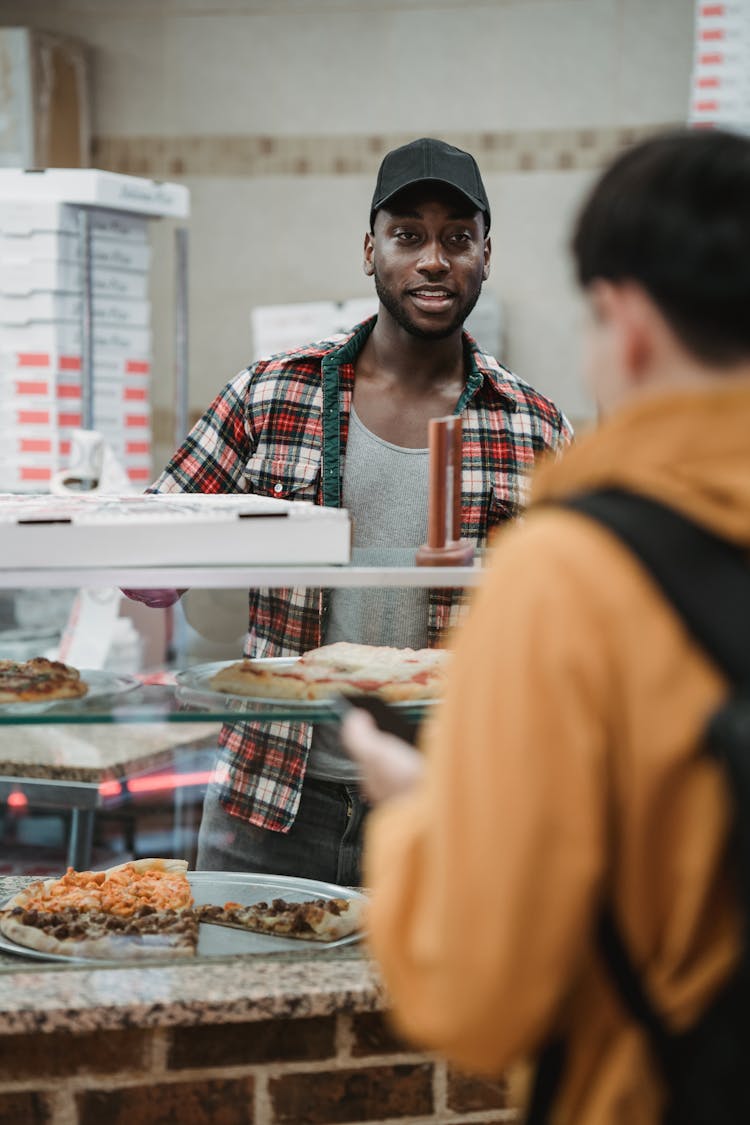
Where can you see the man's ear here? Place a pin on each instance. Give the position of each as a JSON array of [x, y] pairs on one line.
[[487, 255], [368, 263], [625, 310]]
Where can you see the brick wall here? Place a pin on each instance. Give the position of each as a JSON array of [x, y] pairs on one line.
[[334, 1069]]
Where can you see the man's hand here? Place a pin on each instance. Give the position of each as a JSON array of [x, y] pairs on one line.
[[389, 766], [155, 599]]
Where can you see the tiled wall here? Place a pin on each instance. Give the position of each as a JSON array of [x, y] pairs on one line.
[[333, 1070], [276, 112], [533, 150]]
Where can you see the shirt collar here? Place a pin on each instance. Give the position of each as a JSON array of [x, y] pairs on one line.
[[482, 367]]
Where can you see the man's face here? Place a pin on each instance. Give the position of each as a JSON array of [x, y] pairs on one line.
[[429, 256]]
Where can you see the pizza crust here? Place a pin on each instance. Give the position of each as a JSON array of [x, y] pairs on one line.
[[107, 905], [78, 916], [324, 924], [39, 681], [396, 675], [115, 947]]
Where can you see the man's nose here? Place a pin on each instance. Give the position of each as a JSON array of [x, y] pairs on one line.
[[433, 258]]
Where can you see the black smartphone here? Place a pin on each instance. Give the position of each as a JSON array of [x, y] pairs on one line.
[[387, 718]]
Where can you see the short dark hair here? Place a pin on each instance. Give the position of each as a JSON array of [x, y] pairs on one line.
[[673, 215]]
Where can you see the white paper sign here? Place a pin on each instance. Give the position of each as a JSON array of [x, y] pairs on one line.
[[89, 633]]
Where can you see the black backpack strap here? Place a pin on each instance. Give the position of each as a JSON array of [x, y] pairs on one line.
[[630, 987], [707, 580], [549, 1072]]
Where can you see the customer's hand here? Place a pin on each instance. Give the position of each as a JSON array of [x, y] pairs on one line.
[[389, 766], [155, 599]]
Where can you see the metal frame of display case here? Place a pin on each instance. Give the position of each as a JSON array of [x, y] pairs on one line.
[[229, 577]]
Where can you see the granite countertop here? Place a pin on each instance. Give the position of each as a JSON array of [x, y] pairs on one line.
[[46, 997], [95, 753]]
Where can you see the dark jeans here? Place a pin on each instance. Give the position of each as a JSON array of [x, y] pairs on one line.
[[325, 841]]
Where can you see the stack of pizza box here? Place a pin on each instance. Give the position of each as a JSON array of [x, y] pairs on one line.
[[720, 93], [41, 319]]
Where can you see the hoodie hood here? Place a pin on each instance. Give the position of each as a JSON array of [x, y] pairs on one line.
[[688, 449]]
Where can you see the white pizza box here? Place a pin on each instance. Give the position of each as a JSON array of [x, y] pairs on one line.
[[41, 442], [174, 529], [89, 186], [135, 444], [64, 337], [33, 308], [115, 365], [15, 461], [107, 365], [40, 438], [23, 217], [142, 475], [20, 412], [35, 362], [32, 441], [21, 277], [138, 460], [35, 479], [46, 245], [122, 393], [31, 387], [113, 417]]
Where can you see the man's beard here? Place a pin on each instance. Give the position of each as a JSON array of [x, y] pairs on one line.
[[391, 304]]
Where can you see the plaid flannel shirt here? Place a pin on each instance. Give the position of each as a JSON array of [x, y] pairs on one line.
[[280, 429]]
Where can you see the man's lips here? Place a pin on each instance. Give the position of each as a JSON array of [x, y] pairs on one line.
[[432, 300]]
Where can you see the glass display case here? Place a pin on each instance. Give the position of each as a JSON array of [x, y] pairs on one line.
[[121, 772]]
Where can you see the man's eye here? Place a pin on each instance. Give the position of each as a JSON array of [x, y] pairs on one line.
[[461, 236], [406, 235]]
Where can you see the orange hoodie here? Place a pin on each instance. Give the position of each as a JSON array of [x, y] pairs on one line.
[[563, 762]]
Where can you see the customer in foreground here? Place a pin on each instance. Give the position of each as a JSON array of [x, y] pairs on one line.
[[565, 768]]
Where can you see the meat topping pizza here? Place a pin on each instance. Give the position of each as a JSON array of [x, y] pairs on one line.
[[145, 909], [322, 919], [395, 674], [71, 932], [38, 681]]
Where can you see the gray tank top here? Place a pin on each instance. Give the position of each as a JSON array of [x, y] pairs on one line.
[[385, 489]]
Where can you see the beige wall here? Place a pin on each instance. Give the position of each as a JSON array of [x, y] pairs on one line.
[[276, 113]]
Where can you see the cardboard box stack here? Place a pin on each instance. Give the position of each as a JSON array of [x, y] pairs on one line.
[[41, 307], [720, 93]]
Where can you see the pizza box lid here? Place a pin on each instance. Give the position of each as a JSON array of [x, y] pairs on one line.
[[169, 529], [95, 188]]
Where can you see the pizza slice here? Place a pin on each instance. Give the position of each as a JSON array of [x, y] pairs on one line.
[[396, 675], [39, 681], [136, 910], [74, 932], [321, 919]]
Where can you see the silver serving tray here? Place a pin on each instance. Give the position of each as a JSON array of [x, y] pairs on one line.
[[218, 887], [193, 687]]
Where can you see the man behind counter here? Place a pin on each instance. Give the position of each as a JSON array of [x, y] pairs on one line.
[[344, 422]]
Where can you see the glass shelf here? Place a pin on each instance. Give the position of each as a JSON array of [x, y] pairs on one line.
[[228, 577], [161, 704]]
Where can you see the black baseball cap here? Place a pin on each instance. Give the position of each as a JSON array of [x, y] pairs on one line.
[[428, 160]]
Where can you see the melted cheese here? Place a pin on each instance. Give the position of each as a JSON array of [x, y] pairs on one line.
[[122, 893]]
